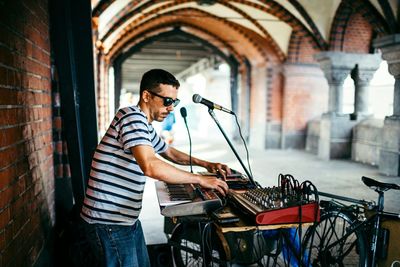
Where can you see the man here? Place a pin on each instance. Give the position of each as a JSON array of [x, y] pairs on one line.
[[124, 158]]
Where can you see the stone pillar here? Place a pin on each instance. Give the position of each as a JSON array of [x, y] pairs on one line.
[[336, 79], [336, 67], [361, 93], [389, 158], [362, 75], [335, 127]]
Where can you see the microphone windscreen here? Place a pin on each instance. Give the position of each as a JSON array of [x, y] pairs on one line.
[[197, 98], [183, 112]]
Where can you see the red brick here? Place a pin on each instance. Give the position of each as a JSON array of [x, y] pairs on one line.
[[4, 217], [9, 116], [10, 136], [6, 56], [3, 75], [6, 176], [2, 239], [20, 218], [6, 197], [33, 97], [358, 35], [11, 155], [8, 96], [9, 254], [8, 233]]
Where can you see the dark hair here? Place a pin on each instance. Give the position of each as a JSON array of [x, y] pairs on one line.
[[153, 78]]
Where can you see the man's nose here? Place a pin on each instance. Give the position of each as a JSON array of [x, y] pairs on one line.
[[170, 107]]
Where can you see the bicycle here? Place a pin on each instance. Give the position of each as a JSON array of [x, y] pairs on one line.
[[355, 234]]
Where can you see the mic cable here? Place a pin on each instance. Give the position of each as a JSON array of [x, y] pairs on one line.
[[184, 115]]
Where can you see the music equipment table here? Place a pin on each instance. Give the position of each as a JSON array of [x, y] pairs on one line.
[[241, 242], [245, 226]]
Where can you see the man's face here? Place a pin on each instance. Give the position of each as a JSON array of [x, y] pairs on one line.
[[158, 111]]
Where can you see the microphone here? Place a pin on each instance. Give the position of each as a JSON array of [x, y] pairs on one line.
[[198, 99], [184, 115]]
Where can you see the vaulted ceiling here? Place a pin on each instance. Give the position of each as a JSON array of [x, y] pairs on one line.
[[120, 25], [174, 53]]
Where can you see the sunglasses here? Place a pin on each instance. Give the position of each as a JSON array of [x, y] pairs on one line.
[[168, 101]]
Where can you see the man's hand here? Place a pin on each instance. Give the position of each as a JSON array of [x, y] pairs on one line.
[[220, 168], [214, 183]]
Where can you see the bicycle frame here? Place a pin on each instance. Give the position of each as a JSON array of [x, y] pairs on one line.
[[372, 223], [366, 225]]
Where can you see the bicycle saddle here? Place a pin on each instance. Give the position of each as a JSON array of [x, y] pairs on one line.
[[382, 186]]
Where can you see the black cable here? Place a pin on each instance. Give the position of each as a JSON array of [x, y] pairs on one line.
[[209, 244], [261, 244], [190, 149], [201, 231], [184, 114], [204, 242], [245, 146]]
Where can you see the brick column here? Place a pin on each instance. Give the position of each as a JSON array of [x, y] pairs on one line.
[[389, 158], [304, 98], [258, 106]]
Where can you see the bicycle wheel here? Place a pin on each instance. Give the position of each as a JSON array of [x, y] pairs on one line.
[[332, 227], [187, 247]]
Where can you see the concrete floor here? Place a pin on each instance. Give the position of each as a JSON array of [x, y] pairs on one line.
[[335, 176]]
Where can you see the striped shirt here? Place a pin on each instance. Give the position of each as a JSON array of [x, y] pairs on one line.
[[116, 182]]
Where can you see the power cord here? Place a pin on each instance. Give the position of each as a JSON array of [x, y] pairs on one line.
[[245, 146], [204, 242]]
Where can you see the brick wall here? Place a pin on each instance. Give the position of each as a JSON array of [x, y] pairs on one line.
[[26, 150], [352, 30], [358, 35], [301, 49]]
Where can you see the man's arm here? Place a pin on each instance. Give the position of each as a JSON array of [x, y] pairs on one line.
[[181, 158], [161, 170]]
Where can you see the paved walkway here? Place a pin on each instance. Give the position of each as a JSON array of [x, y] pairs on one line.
[[335, 176]]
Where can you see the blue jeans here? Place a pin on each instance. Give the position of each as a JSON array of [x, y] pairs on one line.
[[118, 245]]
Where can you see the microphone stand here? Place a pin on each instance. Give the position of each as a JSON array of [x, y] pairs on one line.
[[190, 147], [212, 114]]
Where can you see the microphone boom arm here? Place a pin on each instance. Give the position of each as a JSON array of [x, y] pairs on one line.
[[212, 114]]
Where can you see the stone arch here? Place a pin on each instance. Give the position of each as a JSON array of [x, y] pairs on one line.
[[274, 9], [101, 6], [248, 42], [358, 14]]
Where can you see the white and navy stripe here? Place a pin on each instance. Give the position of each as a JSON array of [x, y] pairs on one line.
[[116, 182]]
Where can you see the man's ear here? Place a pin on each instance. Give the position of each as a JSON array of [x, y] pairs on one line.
[[146, 96]]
